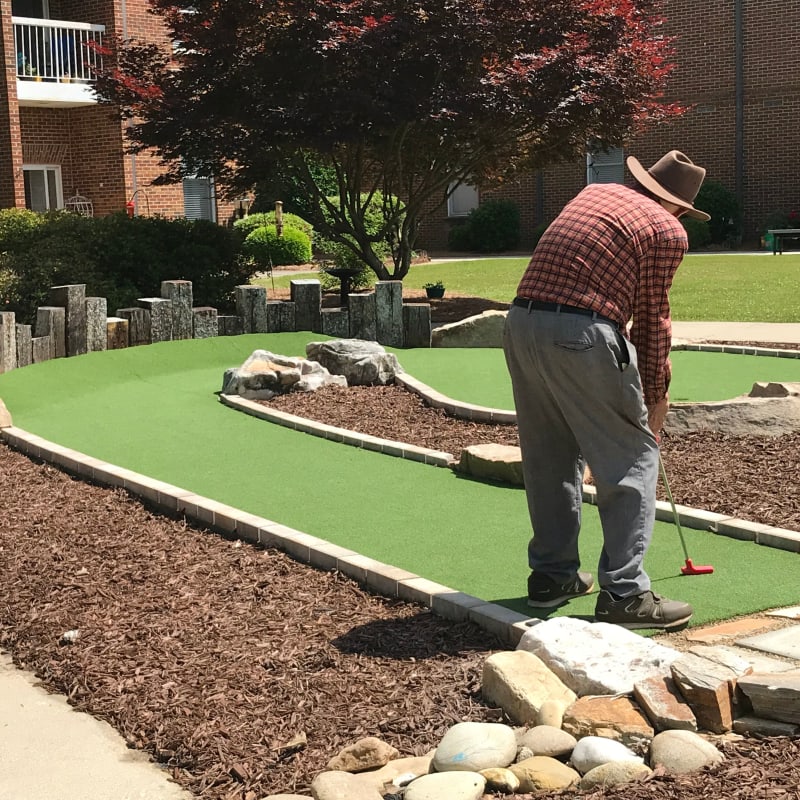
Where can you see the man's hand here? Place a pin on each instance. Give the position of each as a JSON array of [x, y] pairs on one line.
[[656, 414]]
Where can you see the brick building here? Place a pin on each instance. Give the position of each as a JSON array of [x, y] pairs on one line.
[[56, 142], [737, 69]]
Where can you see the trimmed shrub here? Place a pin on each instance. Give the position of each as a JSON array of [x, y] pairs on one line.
[[698, 231], [267, 249], [725, 225], [248, 224], [492, 227]]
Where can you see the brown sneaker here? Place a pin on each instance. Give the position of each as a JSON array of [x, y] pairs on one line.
[[544, 592], [645, 610]]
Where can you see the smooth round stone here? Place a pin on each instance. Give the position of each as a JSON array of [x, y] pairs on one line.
[[545, 740], [447, 786], [592, 751], [500, 779], [614, 773], [545, 774], [551, 712], [681, 752], [473, 746]]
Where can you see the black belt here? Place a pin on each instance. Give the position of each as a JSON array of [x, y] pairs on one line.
[[559, 308]]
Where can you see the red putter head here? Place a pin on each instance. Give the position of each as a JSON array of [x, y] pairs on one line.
[[690, 569]]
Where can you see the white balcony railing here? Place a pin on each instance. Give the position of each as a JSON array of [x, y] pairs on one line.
[[54, 50]]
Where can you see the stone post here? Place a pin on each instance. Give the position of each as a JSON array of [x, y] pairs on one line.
[[96, 328], [180, 294], [51, 323], [362, 316], [251, 306], [287, 317], [160, 318], [336, 322], [73, 299], [389, 313], [307, 298], [204, 322], [41, 349], [24, 345], [138, 325], [8, 341], [116, 333], [417, 324], [230, 325]]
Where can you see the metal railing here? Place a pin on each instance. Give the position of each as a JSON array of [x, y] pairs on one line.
[[54, 50]]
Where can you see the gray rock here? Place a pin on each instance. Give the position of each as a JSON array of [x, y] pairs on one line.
[[681, 752], [520, 682], [447, 786], [774, 696], [614, 773], [361, 362], [264, 375], [5, 416], [494, 462], [592, 751], [596, 658], [742, 416], [481, 330], [473, 746], [545, 740]]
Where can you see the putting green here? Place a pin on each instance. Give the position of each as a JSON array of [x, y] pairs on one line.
[[154, 410]]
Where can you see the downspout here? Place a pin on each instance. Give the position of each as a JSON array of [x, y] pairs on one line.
[[123, 7], [739, 101]]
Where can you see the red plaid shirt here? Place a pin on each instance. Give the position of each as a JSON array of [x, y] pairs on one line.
[[614, 251]]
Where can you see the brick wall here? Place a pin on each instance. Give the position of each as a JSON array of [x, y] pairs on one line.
[[12, 191]]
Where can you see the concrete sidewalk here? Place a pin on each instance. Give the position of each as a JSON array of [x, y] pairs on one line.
[[785, 332], [48, 751]]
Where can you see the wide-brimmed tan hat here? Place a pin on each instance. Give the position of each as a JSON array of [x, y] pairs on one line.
[[674, 178]]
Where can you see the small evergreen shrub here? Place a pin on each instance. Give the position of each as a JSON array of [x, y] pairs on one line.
[[267, 249], [248, 224], [725, 225], [698, 231], [492, 227]]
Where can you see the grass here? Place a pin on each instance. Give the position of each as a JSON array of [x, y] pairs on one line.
[[728, 287]]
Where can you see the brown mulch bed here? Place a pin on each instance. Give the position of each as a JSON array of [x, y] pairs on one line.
[[215, 657]]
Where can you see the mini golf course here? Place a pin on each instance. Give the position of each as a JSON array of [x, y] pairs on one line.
[[154, 410]]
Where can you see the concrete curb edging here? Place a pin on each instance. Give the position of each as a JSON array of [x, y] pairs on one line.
[[384, 579]]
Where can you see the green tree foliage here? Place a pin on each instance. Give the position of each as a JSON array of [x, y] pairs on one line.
[[391, 98], [725, 225], [492, 227]]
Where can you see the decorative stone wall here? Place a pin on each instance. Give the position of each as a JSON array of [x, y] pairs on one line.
[[73, 324]]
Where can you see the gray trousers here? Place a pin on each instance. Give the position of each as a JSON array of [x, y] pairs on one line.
[[578, 395]]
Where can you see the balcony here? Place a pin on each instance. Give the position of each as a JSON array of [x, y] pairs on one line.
[[56, 61]]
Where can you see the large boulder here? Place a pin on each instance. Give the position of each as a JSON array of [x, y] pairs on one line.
[[482, 330], [361, 362], [264, 375]]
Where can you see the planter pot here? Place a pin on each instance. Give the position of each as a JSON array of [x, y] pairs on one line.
[[435, 293]]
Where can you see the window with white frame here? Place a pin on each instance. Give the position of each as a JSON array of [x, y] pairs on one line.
[[606, 166], [43, 190], [462, 198], [198, 198]]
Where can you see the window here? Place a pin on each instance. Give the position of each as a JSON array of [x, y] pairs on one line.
[[462, 199], [43, 187], [37, 9], [198, 198], [606, 166]]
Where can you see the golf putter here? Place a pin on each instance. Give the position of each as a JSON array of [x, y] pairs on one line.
[[688, 568]]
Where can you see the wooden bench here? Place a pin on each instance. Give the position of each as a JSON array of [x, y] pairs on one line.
[[779, 234]]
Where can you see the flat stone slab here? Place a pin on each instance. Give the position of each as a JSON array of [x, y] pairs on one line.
[[789, 613], [785, 642], [759, 662], [724, 630]]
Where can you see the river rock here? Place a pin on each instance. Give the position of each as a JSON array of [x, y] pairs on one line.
[[446, 786], [407, 768], [367, 753], [544, 774], [337, 785], [592, 751], [681, 752], [596, 657], [500, 779], [287, 797], [361, 362], [545, 740], [612, 717], [520, 682], [5, 416], [551, 712], [473, 746], [614, 773]]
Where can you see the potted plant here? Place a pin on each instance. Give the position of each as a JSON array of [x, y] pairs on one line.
[[434, 289]]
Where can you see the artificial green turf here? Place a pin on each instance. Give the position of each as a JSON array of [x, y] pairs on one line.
[[154, 410], [479, 375]]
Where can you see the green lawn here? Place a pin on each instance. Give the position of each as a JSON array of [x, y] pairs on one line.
[[728, 287]]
